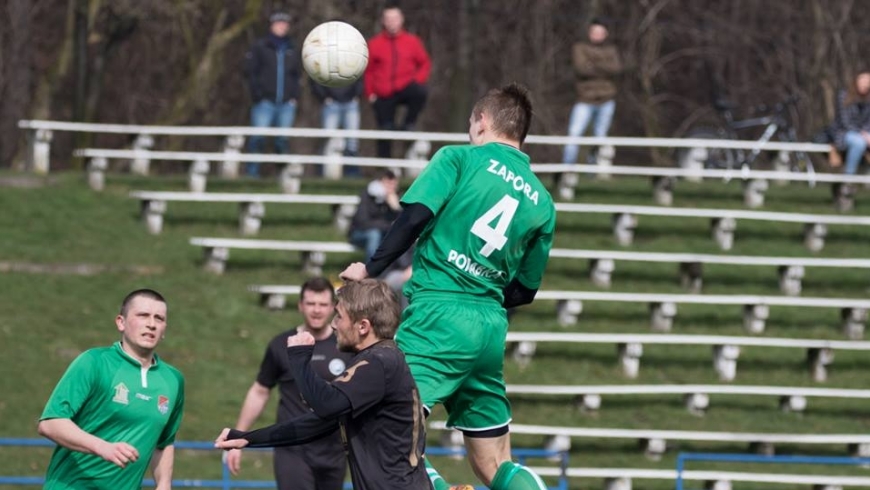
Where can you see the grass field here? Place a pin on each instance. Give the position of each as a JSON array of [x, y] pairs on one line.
[[217, 330]]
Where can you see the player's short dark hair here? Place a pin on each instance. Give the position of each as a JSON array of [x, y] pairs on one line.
[[510, 109], [372, 300], [145, 293], [317, 285]]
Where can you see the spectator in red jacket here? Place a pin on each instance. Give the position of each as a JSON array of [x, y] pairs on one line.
[[396, 75]]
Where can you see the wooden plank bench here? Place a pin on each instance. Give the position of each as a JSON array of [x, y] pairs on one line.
[[791, 269], [755, 182], [217, 251], [655, 441], [696, 397], [723, 221], [251, 206], [663, 307], [726, 349]]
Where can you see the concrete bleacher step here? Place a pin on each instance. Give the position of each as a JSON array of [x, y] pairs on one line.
[[251, 206], [602, 264], [723, 221], [755, 182], [217, 251], [663, 307], [696, 397], [726, 349], [621, 478], [655, 441]]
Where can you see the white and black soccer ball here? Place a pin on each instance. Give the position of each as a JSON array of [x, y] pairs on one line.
[[335, 54]]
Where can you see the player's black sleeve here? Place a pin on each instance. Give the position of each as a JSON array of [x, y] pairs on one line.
[[515, 294], [404, 232], [325, 400], [300, 430]]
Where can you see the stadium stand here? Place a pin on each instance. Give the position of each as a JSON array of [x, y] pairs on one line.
[[726, 349]]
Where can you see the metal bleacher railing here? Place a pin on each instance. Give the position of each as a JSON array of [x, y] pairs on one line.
[[226, 482]]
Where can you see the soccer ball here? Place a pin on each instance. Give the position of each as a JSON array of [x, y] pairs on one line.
[[335, 54]]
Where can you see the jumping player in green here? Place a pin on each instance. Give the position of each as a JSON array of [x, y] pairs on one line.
[[117, 408], [485, 226]]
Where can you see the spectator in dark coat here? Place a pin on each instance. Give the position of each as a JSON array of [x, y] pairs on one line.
[[272, 69], [378, 208]]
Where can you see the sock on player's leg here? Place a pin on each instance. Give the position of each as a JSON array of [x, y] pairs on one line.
[[438, 482], [512, 476]]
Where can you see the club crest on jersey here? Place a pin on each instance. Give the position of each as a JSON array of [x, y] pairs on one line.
[[336, 367], [121, 393], [163, 404]]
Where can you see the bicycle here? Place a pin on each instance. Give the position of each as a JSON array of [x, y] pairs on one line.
[[776, 122]]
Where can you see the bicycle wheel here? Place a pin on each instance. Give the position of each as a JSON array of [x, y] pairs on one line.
[[717, 158]]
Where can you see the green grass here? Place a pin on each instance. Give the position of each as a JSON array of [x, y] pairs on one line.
[[218, 330]]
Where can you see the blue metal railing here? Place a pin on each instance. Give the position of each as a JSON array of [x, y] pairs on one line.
[[682, 458], [226, 482]]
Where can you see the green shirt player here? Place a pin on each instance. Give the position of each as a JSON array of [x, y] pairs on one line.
[[117, 408], [485, 226]]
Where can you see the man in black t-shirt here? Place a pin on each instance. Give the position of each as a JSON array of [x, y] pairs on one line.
[[320, 465], [374, 403]]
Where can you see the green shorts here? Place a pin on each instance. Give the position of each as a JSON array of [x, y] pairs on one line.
[[456, 354]]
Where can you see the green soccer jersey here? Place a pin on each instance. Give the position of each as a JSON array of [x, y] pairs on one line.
[[494, 221], [109, 394]]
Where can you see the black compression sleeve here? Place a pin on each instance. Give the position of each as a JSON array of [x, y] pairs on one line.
[[299, 430], [404, 231], [515, 294], [325, 400]]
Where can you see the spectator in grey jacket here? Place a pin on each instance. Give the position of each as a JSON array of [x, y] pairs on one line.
[[378, 208], [272, 69]]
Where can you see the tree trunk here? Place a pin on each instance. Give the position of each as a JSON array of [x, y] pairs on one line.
[[203, 78]]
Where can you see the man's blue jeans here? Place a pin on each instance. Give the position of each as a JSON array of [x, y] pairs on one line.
[[265, 114], [369, 240], [581, 115], [344, 115], [856, 145]]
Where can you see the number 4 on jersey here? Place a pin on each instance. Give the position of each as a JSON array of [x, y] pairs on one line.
[[494, 238]]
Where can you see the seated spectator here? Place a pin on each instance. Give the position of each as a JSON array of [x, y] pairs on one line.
[[340, 109], [850, 130], [378, 208], [398, 273]]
